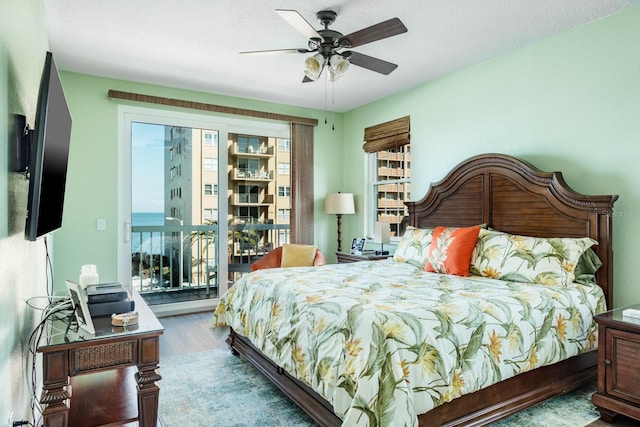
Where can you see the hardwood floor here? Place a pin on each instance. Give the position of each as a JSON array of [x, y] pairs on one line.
[[189, 333]]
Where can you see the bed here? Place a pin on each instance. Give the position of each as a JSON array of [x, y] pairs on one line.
[[358, 353]]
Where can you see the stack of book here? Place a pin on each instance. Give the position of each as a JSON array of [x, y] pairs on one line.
[[105, 299], [365, 252]]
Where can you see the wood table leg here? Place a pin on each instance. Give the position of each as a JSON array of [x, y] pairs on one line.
[[146, 377], [55, 389]]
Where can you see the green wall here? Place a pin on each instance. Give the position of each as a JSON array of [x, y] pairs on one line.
[[23, 43], [570, 103], [92, 191]]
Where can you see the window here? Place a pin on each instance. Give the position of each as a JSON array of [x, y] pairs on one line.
[[248, 193], [210, 214], [211, 189], [249, 167], [389, 150], [284, 168], [210, 139], [248, 144], [249, 212], [284, 191], [284, 144], [284, 214], [209, 164]]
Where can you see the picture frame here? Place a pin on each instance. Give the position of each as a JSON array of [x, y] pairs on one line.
[[80, 306], [357, 245]]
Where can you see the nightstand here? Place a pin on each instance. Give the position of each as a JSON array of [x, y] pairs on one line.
[[618, 362], [113, 372], [346, 257]]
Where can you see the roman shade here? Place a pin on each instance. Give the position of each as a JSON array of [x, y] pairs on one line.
[[387, 135]]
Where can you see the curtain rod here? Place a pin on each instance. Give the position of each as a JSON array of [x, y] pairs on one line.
[[150, 99]]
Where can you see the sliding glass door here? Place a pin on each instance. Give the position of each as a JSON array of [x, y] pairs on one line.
[[185, 181]]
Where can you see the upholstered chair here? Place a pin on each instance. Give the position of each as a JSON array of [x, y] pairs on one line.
[[290, 256]]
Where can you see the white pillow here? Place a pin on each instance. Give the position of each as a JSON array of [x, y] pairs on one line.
[[413, 247]]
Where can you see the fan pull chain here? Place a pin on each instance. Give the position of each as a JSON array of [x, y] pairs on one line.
[[325, 99], [333, 106]]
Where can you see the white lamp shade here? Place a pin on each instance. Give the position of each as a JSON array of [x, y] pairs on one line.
[[313, 66], [338, 66], [381, 232], [339, 203]]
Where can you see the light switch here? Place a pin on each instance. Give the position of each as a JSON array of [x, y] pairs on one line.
[[101, 224]]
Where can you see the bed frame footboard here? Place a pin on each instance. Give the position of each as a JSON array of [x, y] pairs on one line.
[[476, 409]]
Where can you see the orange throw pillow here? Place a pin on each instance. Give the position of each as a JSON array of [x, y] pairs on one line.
[[451, 249]]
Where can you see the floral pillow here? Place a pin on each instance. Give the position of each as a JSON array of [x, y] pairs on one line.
[[544, 261], [451, 249], [413, 247]]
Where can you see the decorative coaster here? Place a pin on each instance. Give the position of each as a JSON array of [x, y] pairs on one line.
[[124, 319]]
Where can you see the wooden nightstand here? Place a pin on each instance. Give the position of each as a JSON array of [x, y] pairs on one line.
[[346, 257], [618, 365]]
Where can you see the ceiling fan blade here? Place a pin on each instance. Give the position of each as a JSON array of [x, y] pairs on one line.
[[370, 63], [276, 51], [389, 28], [298, 22]]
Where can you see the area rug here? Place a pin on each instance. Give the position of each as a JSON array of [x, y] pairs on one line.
[[216, 389]]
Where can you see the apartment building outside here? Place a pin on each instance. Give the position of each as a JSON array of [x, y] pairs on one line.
[[258, 190]]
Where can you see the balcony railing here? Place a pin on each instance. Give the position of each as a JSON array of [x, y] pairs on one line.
[[252, 174], [252, 199], [262, 150], [174, 258]]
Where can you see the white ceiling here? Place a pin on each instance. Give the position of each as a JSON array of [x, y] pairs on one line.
[[194, 44]]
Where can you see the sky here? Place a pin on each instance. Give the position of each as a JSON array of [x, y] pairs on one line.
[[147, 163]]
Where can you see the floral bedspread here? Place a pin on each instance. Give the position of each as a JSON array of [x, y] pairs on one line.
[[384, 341]]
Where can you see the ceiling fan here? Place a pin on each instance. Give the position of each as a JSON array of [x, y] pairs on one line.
[[329, 47]]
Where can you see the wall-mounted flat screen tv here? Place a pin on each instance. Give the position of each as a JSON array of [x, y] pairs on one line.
[[50, 141]]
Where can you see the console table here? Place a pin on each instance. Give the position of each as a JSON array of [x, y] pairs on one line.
[[106, 378]]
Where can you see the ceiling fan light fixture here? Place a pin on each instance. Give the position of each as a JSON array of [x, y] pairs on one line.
[[313, 66], [338, 66]]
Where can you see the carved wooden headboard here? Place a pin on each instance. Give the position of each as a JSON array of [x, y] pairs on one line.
[[511, 195]]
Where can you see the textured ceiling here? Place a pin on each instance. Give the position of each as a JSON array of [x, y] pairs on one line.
[[194, 44]]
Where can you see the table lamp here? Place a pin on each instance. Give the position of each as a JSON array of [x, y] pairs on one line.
[[339, 204], [381, 231]]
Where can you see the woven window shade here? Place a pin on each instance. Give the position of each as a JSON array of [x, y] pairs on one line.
[[387, 135]]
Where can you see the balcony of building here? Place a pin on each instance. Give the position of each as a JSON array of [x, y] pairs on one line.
[[401, 188], [251, 199], [400, 157], [394, 172], [390, 203], [177, 263], [262, 150], [244, 174]]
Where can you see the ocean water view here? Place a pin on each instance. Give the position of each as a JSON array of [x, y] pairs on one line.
[[145, 219]]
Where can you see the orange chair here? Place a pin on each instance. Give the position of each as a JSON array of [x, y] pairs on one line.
[[273, 259]]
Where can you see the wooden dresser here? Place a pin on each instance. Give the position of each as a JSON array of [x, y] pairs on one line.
[[618, 365]]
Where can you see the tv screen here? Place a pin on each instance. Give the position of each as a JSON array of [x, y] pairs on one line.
[[49, 155]]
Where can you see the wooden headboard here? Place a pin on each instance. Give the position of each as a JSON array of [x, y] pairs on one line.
[[511, 195]]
